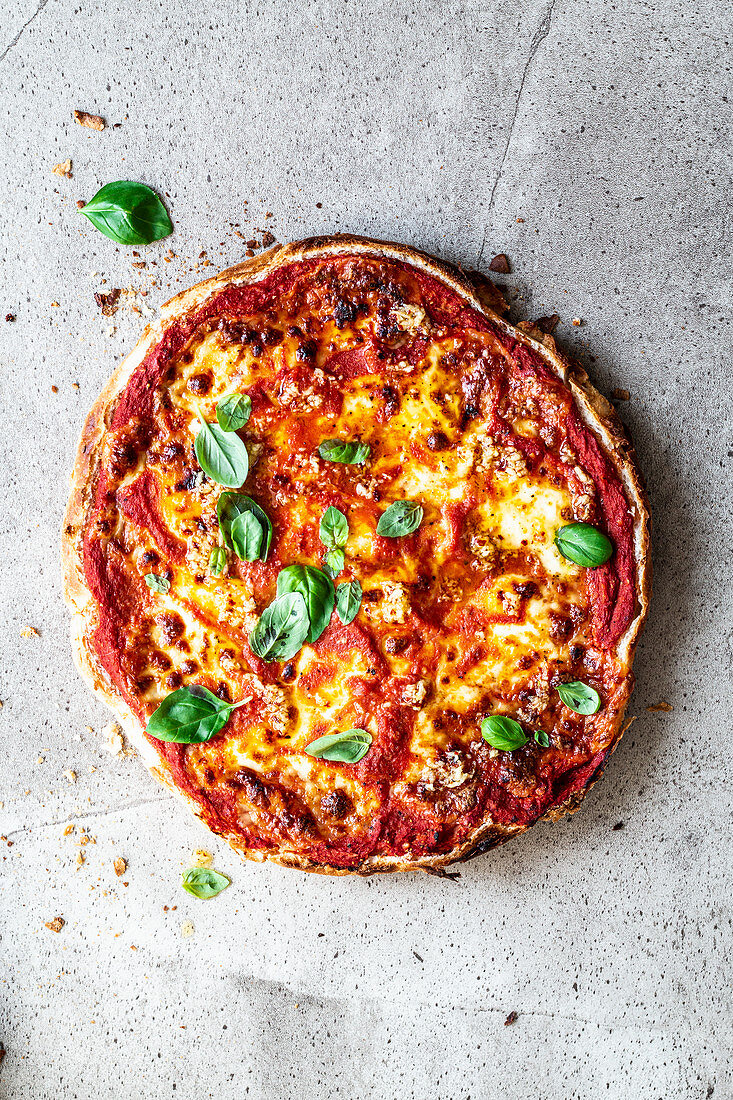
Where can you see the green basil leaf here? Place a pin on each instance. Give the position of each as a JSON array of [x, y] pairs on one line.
[[233, 411], [217, 561], [344, 450], [128, 213], [542, 739], [189, 715], [282, 628], [583, 544], [231, 505], [156, 583], [247, 536], [503, 733], [346, 748], [203, 882], [334, 528], [348, 601], [222, 455], [579, 697], [334, 562], [317, 591], [401, 518]]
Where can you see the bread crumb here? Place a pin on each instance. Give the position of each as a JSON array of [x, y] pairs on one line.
[[63, 169], [577, 321], [201, 858], [70, 775], [68, 830], [56, 924], [30, 632], [187, 929], [92, 122], [115, 740], [661, 706], [120, 866], [40, 759], [80, 857]]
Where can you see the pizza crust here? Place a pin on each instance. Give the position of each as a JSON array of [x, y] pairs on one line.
[[597, 414]]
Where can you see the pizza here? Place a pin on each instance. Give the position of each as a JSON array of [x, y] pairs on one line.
[[359, 565]]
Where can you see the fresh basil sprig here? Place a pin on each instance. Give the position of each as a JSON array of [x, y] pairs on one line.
[[503, 733], [222, 455], [348, 601], [203, 882], [190, 715], [334, 528], [401, 518], [217, 561], [157, 583], [247, 536], [583, 544], [282, 628], [128, 213], [233, 411], [580, 697], [316, 589], [346, 748], [343, 450], [230, 509], [542, 739]]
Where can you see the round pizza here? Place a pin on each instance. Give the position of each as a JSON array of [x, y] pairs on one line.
[[359, 565]]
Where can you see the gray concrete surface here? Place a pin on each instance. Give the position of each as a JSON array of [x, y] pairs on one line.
[[605, 127]]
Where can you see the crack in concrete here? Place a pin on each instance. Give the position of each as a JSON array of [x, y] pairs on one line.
[[539, 37], [22, 30], [92, 813]]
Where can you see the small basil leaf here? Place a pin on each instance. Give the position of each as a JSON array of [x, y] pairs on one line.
[[233, 411], [348, 601], [217, 561], [189, 715], [346, 748], [580, 697], [128, 213], [231, 505], [156, 583], [503, 733], [203, 882], [282, 628], [317, 591], [334, 528], [343, 450], [247, 536], [222, 455], [334, 562], [583, 544], [542, 739], [401, 518]]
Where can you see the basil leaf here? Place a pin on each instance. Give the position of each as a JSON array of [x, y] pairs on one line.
[[347, 747], [222, 455], [343, 450], [317, 591], [348, 601], [542, 739], [583, 544], [189, 715], [217, 561], [156, 583], [334, 528], [579, 697], [203, 882], [401, 518], [233, 411], [503, 733], [282, 628], [247, 536], [231, 505], [128, 213], [334, 562]]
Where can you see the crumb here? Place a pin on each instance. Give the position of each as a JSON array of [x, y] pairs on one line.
[[80, 204], [268, 238], [548, 324], [120, 866], [115, 740], [40, 759], [108, 302], [92, 122], [248, 252], [54, 305], [30, 632], [500, 263], [520, 220], [63, 169], [201, 858], [132, 947], [661, 706], [80, 857], [617, 826], [269, 214], [54, 389], [70, 775], [577, 321], [9, 316], [139, 263], [319, 205], [620, 395], [68, 830], [56, 924], [511, 1018], [187, 929]]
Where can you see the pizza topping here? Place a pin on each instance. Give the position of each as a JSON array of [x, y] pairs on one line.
[[221, 454], [348, 601], [347, 748], [401, 518], [128, 213], [347, 451], [157, 583], [282, 628], [217, 561], [233, 411], [204, 882], [503, 733], [583, 544], [580, 697], [317, 592], [189, 715]]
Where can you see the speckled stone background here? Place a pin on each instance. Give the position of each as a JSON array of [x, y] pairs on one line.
[[587, 140]]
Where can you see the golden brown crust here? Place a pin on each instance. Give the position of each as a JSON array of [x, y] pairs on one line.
[[478, 292]]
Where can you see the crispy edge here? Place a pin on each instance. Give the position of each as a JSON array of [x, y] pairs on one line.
[[597, 413]]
